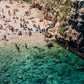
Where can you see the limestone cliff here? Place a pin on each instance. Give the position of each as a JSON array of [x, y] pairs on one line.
[[69, 14]]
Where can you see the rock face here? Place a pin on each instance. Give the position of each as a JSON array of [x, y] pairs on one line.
[[70, 15], [77, 16], [46, 8], [49, 44], [74, 24], [48, 35]]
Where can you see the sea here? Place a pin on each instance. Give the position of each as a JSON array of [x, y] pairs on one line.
[[38, 64]]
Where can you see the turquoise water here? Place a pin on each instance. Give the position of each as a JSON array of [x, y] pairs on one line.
[[39, 65]]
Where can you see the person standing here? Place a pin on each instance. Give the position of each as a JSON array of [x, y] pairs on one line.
[[30, 33], [2, 10], [4, 37], [10, 1], [14, 12]]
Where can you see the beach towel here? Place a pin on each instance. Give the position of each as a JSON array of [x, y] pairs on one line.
[[36, 31], [9, 33]]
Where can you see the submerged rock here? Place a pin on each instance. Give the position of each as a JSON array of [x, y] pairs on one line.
[[57, 61], [41, 80], [35, 63], [39, 56], [60, 73], [20, 77], [41, 50], [7, 74], [5, 81], [80, 68], [35, 47], [35, 67]]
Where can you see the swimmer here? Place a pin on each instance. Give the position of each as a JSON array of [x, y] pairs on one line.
[[48, 75], [27, 56], [18, 49], [25, 45]]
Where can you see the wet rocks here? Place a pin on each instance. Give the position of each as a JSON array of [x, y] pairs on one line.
[[57, 61], [20, 77], [35, 63], [49, 44], [40, 80], [48, 35], [35, 67], [53, 40], [46, 40], [7, 74], [36, 5], [60, 73], [39, 63], [80, 68], [39, 56], [6, 81], [35, 47], [41, 50]]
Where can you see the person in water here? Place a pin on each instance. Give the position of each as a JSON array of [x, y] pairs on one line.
[[26, 45], [48, 75], [17, 47]]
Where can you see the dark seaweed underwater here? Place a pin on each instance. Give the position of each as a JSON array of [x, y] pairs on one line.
[[40, 65]]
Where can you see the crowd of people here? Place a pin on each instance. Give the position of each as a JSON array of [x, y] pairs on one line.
[[13, 22]]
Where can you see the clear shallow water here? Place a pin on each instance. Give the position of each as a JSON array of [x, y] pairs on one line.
[[42, 66]]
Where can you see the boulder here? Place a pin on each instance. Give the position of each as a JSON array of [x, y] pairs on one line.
[[53, 40], [49, 44], [48, 35]]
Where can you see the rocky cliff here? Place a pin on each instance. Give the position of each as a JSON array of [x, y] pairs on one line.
[[70, 15], [74, 25]]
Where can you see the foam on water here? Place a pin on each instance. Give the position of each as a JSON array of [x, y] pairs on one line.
[[39, 65]]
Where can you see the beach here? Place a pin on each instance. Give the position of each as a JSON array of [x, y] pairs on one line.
[[24, 56], [33, 18]]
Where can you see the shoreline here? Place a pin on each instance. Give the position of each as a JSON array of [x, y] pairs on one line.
[[73, 50], [14, 37], [19, 39]]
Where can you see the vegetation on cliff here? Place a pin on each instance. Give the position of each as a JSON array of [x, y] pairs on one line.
[[55, 9]]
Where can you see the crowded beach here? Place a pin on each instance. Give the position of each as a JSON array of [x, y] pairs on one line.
[[18, 22]]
